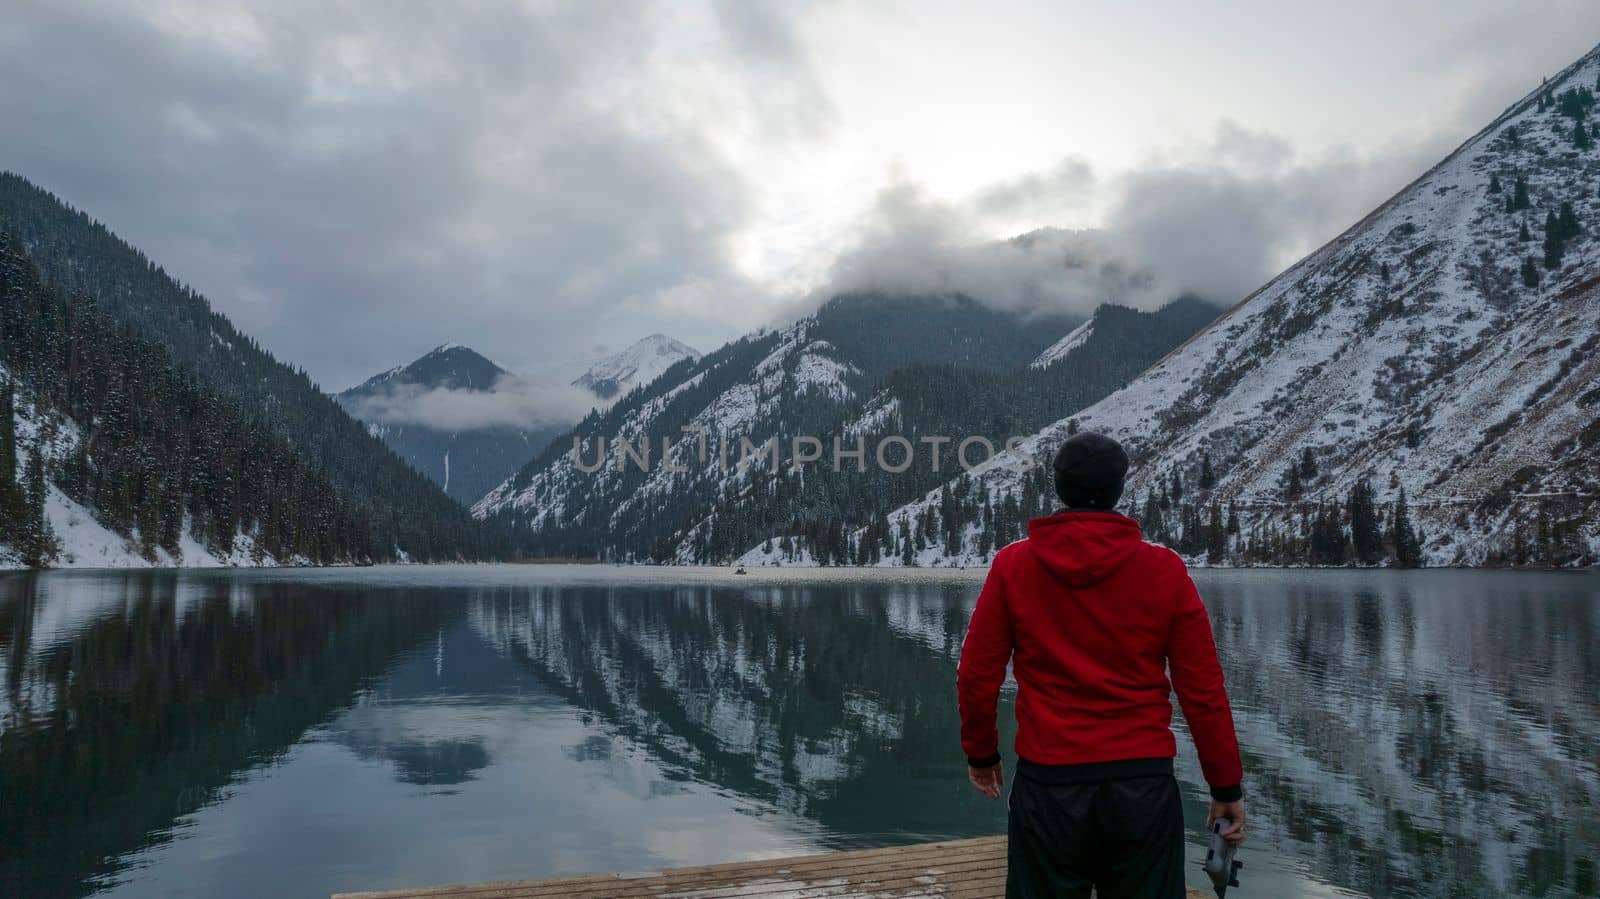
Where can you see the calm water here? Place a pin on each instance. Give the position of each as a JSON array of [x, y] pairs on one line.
[[295, 734]]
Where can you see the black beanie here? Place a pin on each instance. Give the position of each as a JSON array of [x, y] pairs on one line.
[[1089, 471]]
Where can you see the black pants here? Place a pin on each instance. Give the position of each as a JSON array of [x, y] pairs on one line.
[[1116, 827]]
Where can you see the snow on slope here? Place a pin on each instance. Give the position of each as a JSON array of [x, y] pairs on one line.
[[641, 363], [797, 364], [1407, 351], [1065, 345], [82, 541]]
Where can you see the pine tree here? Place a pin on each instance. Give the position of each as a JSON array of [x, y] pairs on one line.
[[1308, 465], [1366, 537], [1494, 183], [1522, 233], [1216, 535], [1208, 478], [1383, 272], [37, 542], [1407, 552], [1512, 137], [1530, 272], [1291, 482], [1519, 194], [1553, 248], [11, 504], [1567, 222]]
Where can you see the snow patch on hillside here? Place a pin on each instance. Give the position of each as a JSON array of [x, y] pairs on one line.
[[81, 540], [1058, 350]]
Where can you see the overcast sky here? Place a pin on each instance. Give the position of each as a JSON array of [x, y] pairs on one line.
[[356, 182]]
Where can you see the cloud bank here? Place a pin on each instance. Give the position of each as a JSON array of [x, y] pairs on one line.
[[1216, 220], [352, 181], [511, 402], [347, 180]]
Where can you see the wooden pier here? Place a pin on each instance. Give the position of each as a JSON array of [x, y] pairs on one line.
[[958, 869]]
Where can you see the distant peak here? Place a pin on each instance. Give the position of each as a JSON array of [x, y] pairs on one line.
[[661, 340], [641, 362]]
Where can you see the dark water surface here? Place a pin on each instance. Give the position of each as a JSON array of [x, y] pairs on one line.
[[299, 733]]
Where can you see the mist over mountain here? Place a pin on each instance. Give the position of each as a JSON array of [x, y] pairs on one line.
[[861, 366], [460, 419], [467, 424]]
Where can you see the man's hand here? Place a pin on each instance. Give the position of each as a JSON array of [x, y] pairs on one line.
[[1234, 812], [988, 780]]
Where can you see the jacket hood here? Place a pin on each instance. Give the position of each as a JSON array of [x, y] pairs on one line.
[[1083, 548]]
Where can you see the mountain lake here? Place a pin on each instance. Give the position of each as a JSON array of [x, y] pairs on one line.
[[302, 732]]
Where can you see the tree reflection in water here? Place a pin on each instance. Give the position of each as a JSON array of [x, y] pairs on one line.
[[1405, 735]]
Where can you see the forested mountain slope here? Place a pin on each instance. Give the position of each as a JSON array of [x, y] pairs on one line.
[[404, 513], [94, 418], [1424, 389], [862, 366]]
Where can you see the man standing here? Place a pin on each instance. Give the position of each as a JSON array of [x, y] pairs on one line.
[[1092, 619]]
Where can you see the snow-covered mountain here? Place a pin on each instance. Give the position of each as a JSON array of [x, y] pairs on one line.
[[1444, 349], [645, 485], [641, 363], [449, 366], [466, 461]]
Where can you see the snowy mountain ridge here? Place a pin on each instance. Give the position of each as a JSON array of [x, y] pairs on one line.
[[794, 363], [708, 457], [1445, 348], [642, 362]]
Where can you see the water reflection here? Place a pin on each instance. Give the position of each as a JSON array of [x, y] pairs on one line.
[[1440, 737], [831, 703], [1405, 735], [131, 702]]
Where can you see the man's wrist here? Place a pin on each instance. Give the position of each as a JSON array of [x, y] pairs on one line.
[[988, 761], [1228, 794]]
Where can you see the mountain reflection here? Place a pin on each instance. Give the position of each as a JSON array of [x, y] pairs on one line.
[[1431, 742], [132, 700], [832, 703], [1434, 735], [1439, 739]]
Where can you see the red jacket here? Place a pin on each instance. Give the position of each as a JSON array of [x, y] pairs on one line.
[[1091, 619]]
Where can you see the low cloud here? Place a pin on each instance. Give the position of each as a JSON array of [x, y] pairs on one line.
[[1242, 208], [1217, 219], [913, 243], [512, 402]]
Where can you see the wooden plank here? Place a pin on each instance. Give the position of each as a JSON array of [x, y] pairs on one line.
[[758, 882], [954, 869], [924, 853]]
